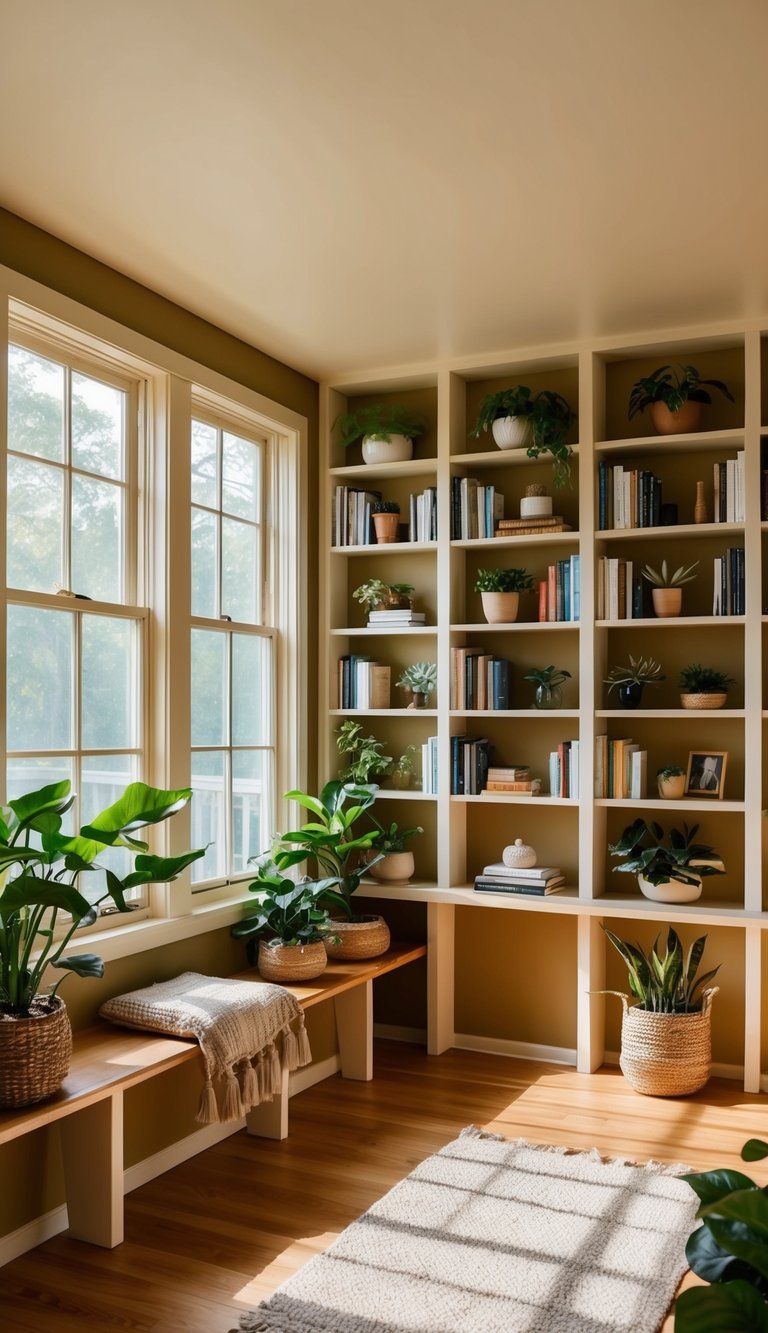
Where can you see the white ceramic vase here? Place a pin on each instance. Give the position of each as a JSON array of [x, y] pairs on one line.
[[674, 891], [511, 432], [397, 449]]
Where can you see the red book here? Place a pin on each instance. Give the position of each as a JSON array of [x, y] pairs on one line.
[[543, 600], [552, 593]]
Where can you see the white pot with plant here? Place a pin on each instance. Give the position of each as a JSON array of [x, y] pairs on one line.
[[500, 593], [539, 422], [630, 681], [667, 587], [670, 782], [387, 431], [703, 687], [421, 679], [396, 865], [666, 1036], [675, 400], [669, 872]]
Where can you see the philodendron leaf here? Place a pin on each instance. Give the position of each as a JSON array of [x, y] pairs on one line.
[[710, 1261], [29, 891], [160, 869], [55, 797], [138, 806], [713, 1185], [754, 1150], [84, 964], [735, 1306]]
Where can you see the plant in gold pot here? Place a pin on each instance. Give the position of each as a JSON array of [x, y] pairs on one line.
[[667, 587], [675, 400], [42, 906], [703, 687], [500, 593]]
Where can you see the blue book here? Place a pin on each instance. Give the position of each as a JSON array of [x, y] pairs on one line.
[[500, 677]]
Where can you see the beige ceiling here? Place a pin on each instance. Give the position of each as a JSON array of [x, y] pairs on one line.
[[351, 183]]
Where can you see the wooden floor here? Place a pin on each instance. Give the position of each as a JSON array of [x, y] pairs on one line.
[[216, 1235]]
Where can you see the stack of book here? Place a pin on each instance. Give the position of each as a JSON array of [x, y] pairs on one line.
[[620, 590], [728, 489], [620, 769], [537, 881], [479, 680], [516, 780], [475, 509], [564, 770], [728, 598], [429, 766], [531, 526], [396, 618], [469, 765], [422, 514], [352, 516], [363, 683], [627, 499], [560, 592]]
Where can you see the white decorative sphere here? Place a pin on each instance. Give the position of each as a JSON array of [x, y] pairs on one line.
[[519, 856]]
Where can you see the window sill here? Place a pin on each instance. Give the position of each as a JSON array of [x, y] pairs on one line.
[[154, 932]]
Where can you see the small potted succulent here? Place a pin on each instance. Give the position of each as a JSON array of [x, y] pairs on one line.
[[396, 865], [666, 872], [630, 681], [421, 679], [387, 431], [549, 681], [375, 595], [365, 755], [667, 587], [537, 422], [675, 399], [386, 521], [702, 687], [402, 773], [671, 782], [500, 593]]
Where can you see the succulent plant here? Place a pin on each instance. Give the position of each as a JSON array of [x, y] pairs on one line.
[[664, 579], [639, 671]]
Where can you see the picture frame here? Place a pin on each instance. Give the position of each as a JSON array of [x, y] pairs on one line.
[[705, 777]]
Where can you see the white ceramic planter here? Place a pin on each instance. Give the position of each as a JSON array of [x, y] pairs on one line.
[[535, 506], [672, 892], [511, 432], [397, 449], [393, 869], [500, 608]]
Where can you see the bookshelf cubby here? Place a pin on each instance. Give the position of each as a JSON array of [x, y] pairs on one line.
[[514, 981]]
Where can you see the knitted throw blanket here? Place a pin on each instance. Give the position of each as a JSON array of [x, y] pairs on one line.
[[237, 1024]]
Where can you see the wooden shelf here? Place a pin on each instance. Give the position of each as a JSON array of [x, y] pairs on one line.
[[673, 714], [517, 627], [354, 632], [414, 467], [513, 798], [386, 548], [696, 442], [689, 803], [671, 622], [492, 458], [382, 712], [674, 531], [390, 794], [515, 712], [525, 539]]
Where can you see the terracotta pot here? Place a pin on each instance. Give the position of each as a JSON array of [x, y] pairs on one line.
[[511, 432], [671, 789], [393, 869], [676, 423], [291, 962], [500, 608], [674, 891], [397, 449], [704, 701], [35, 1052], [667, 602], [362, 937], [387, 527]]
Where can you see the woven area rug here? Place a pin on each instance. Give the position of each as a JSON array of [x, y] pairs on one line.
[[491, 1236]]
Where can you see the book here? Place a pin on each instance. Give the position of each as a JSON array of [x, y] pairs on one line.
[[380, 686], [498, 868], [513, 882], [530, 787], [535, 891]]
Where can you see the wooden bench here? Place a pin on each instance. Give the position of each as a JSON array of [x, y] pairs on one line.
[[107, 1059]]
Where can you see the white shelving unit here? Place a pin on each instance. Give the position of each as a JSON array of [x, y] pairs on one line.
[[595, 377]]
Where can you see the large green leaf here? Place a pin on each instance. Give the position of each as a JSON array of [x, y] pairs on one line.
[[710, 1261], [138, 806], [84, 964], [30, 891], [754, 1150], [308, 802], [710, 1186], [160, 869], [55, 797], [735, 1307]]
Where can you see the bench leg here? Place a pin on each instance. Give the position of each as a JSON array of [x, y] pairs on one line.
[[92, 1150], [354, 1026], [270, 1120]]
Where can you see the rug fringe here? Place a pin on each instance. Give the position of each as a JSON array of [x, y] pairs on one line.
[[657, 1168], [474, 1132]]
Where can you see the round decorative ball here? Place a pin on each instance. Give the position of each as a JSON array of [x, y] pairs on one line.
[[519, 856]]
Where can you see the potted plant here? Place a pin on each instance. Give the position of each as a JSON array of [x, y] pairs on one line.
[[666, 873], [666, 1041], [375, 595], [421, 679], [500, 593], [667, 590], [539, 422], [702, 687], [42, 907], [364, 753], [290, 926], [671, 782], [674, 399], [549, 682], [331, 847], [387, 431], [386, 521], [403, 771], [729, 1251], [630, 681], [396, 864]]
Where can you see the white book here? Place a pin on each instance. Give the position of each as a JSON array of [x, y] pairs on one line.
[[554, 773], [574, 774], [626, 777], [626, 501], [498, 868], [730, 489], [638, 778], [716, 605], [618, 497]]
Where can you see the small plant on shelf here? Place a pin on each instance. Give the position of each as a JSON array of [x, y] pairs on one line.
[[500, 593], [675, 399], [365, 754], [671, 782], [421, 679], [386, 520], [667, 586], [703, 687], [549, 681], [668, 872], [402, 773], [376, 595], [379, 421], [539, 421], [395, 863], [630, 680]]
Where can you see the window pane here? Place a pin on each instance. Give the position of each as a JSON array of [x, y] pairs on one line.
[[252, 806], [97, 427], [35, 517], [239, 571], [109, 670], [209, 688], [35, 404], [97, 539], [240, 477], [205, 476], [208, 814], [251, 690], [104, 779], [40, 654], [204, 564]]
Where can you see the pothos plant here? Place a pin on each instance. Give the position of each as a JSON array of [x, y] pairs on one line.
[[41, 904], [550, 416], [365, 755], [665, 385]]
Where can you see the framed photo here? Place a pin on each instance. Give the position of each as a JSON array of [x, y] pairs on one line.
[[706, 774]]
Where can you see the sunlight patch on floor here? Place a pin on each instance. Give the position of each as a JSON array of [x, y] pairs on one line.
[[282, 1266]]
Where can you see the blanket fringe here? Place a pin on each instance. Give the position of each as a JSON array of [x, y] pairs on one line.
[[208, 1113]]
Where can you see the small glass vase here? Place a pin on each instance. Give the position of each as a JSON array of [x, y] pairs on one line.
[[548, 696]]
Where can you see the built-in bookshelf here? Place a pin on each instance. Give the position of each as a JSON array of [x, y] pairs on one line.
[[650, 516]]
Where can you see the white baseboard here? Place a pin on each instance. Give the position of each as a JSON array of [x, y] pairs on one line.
[[32, 1234], [391, 1032], [515, 1050]]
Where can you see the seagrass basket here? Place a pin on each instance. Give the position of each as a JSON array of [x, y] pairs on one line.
[[366, 937], [704, 701], [291, 962], [35, 1052], [666, 1055]]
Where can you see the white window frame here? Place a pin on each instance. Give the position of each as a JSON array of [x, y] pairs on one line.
[[166, 407]]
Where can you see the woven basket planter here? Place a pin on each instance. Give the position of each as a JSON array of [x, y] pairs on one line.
[[366, 937], [666, 1055], [702, 701], [291, 962], [35, 1052]]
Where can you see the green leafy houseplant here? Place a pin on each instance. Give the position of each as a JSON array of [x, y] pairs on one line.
[[670, 771], [43, 870], [550, 417], [365, 755], [644, 853], [390, 840], [664, 983], [638, 671], [287, 911], [420, 678], [696, 679], [404, 768], [380, 421], [549, 681], [665, 385], [729, 1251], [327, 843], [385, 507], [375, 593], [503, 580]]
